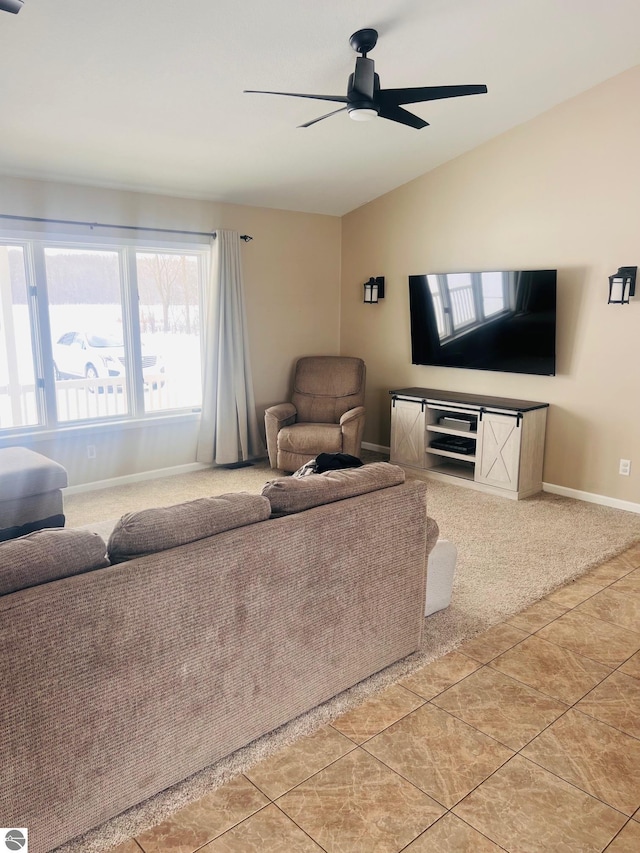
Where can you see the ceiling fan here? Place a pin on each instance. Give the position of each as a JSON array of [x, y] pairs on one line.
[[366, 100], [11, 6]]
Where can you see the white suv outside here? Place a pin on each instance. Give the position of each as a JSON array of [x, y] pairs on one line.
[[89, 355]]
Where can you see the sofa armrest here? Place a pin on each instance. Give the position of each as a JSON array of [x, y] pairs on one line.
[[276, 417], [433, 531], [352, 424]]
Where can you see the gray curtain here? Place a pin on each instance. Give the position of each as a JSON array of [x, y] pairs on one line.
[[229, 427]]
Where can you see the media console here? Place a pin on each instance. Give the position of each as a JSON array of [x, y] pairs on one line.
[[493, 444]]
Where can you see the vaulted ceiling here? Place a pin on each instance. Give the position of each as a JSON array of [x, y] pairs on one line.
[[148, 94]]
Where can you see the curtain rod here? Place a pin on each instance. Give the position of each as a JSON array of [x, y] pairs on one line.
[[211, 234]]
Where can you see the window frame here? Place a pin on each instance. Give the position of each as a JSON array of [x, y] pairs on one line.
[[445, 320], [34, 245]]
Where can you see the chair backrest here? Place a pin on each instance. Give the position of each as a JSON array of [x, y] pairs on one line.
[[327, 386]]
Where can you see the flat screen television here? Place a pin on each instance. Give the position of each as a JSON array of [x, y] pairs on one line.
[[489, 320]]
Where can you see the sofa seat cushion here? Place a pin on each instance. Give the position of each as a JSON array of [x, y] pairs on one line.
[[310, 438], [47, 555], [24, 472], [292, 494], [30, 492], [160, 528]]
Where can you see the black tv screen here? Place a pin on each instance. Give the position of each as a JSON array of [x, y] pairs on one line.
[[490, 320]]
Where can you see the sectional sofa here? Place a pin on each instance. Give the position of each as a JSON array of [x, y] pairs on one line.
[[129, 665]]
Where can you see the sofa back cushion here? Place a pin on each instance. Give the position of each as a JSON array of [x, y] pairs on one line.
[[47, 555], [158, 529], [292, 494]]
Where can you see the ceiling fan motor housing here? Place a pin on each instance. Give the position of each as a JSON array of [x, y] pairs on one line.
[[362, 86]]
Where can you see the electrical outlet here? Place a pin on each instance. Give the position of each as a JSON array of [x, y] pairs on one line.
[[625, 467], [91, 451]]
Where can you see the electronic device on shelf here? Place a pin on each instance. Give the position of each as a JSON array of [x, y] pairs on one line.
[[455, 444], [466, 423], [492, 320]]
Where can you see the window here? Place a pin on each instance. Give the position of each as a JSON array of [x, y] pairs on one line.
[[464, 301], [461, 300], [493, 292], [98, 332], [18, 396], [169, 318]]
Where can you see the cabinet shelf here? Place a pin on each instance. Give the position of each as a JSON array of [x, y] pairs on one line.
[[452, 468], [449, 431], [450, 454]]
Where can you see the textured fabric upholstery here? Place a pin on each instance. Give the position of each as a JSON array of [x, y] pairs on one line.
[[47, 555], [24, 472], [311, 439], [158, 529], [325, 387], [292, 494], [433, 531], [30, 492], [326, 413], [120, 682]]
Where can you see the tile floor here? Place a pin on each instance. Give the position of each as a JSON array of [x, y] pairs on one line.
[[524, 739]]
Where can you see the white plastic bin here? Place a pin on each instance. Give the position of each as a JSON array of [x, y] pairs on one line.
[[441, 567]]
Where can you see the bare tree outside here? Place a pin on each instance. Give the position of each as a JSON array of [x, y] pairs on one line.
[[88, 316], [169, 280]]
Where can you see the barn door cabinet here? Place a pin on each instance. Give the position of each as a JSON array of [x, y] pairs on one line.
[[493, 444]]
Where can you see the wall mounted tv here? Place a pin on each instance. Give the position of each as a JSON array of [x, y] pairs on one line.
[[491, 320]]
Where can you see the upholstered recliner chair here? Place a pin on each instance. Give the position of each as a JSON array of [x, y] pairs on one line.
[[326, 413]]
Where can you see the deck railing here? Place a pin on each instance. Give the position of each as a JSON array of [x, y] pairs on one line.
[[79, 399]]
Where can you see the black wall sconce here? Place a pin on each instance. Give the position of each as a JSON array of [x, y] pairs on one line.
[[622, 285], [373, 290]]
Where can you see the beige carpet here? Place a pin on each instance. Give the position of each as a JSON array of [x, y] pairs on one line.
[[510, 554]]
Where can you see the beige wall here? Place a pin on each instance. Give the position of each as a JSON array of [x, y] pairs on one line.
[[292, 285], [562, 191]]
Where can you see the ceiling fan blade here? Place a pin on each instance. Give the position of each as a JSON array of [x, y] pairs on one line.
[[315, 120], [340, 99], [13, 6], [426, 93], [394, 113]]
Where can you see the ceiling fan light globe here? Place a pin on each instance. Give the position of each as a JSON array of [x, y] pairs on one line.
[[363, 114]]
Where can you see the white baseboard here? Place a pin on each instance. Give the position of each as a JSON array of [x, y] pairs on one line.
[[135, 478], [578, 495], [378, 448], [589, 497]]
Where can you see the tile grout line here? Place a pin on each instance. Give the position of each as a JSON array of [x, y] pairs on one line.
[[314, 840], [571, 706], [424, 701]]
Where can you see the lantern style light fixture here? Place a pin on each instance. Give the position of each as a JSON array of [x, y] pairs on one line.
[[373, 290], [622, 285]]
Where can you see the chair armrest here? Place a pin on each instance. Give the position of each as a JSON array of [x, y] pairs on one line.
[[352, 425], [276, 417], [284, 413], [352, 415]]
